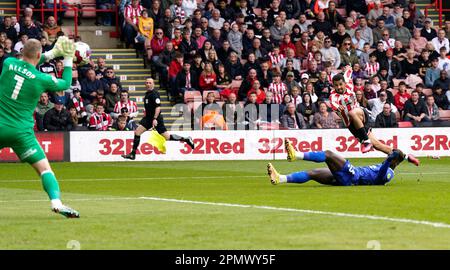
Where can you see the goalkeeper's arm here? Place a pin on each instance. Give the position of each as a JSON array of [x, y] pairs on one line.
[[63, 47]]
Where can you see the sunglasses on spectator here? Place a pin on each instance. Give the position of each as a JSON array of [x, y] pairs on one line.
[[159, 33], [347, 44], [385, 34], [328, 41]]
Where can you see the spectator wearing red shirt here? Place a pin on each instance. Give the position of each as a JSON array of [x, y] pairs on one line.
[[260, 94], [208, 79], [157, 45], [177, 38], [286, 44], [100, 120], [175, 67], [401, 97]]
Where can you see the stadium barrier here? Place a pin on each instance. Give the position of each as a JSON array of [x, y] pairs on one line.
[[255, 145], [90, 146]]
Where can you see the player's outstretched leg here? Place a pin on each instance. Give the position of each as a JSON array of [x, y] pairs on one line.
[[357, 117], [322, 176], [292, 155], [388, 150], [175, 137], [51, 186], [136, 141]]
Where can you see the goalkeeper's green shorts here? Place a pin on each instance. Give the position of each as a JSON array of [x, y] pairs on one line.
[[23, 143]]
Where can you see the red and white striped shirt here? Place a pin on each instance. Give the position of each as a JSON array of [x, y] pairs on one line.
[[296, 100], [180, 13], [372, 68], [347, 99], [133, 13], [278, 90], [276, 59], [130, 105], [100, 122]]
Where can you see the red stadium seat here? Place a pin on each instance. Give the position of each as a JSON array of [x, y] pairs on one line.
[[236, 83], [397, 116], [444, 115], [190, 96], [405, 124], [427, 92], [342, 12], [88, 8]]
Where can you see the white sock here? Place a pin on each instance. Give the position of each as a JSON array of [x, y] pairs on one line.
[[56, 203], [299, 155], [283, 178]]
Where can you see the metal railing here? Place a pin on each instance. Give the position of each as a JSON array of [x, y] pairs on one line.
[[63, 7], [437, 6]]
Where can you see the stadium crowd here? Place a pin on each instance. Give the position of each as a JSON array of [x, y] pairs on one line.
[[259, 63]]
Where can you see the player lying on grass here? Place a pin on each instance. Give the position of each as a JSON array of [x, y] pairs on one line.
[[21, 85], [343, 102], [340, 172]]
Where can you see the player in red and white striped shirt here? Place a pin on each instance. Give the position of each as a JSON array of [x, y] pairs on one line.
[[125, 102], [343, 102], [278, 88]]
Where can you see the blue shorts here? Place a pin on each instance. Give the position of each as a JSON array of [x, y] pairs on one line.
[[345, 176]]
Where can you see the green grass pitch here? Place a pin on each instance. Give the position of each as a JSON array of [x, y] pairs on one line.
[[115, 216]]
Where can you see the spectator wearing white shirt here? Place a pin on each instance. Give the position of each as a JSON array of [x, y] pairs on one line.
[[331, 54], [440, 41], [376, 106], [189, 6], [216, 22], [444, 62]]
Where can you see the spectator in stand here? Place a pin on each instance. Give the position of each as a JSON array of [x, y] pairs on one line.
[[109, 78], [251, 112], [386, 119], [205, 49], [145, 28], [216, 22], [373, 67], [366, 31], [90, 86], [156, 13], [100, 68], [290, 82], [188, 47], [324, 119], [265, 77], [376, 106], [260, 94], [322, 87], [307, 108], [232, 112], [321, 25], [417, 43], [120, 124], [278, 30], [197, 65], [443, 81], [112, 97], [415, 109], [441, 41], [125, 102], [131, 15], [208, 78], [186, 80], [428, 31], [432, 73], [407, 21], [57, 118], [99, 120], [278, 88], [216, 39], [247, 84], [44, 105], [234, 67], [8, 28], [223, 79], [385, 87], [163, 63], [401, 33], [440, 98], [303, 47], [361, 99], [348, 54], [380, 30], [368, 91], [157, 45], [331, 54], [355, 6], [432, 51], [432, 109], [425, 62], [105, 18], [189, 6], [444, 61], [340, 36], [291, 119], [51, 29], [49, 4], [19, 45], [410, 66], [401, 97], [174, 68]]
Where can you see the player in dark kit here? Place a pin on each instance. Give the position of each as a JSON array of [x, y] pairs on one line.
[[340, 172], [153, 119]]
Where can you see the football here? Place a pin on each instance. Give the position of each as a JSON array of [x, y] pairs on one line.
[[82, 53]]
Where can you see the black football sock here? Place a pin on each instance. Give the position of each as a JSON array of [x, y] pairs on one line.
[[361, 135], [175, 137], [136, 141]]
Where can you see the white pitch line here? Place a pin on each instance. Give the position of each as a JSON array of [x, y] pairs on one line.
[[307, 211], [180, 178], [272, 208]]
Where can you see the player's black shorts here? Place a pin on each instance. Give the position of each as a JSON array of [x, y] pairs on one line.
[[366, 123], [148, 124]]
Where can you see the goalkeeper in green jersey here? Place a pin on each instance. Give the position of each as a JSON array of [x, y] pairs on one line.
[[21, 85]]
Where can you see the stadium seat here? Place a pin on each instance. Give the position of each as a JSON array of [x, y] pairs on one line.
[[216, 94], [192, 106], [236, 83], [88, 8], [444, 115], [405, 124], [190, 96], [69, 13], [269, 126], [342, 12]]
